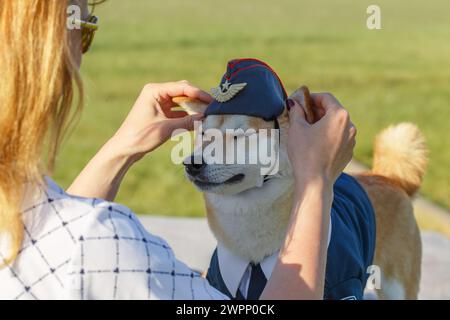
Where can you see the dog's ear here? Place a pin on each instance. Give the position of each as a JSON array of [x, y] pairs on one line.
[[303, 97], [190, 105]]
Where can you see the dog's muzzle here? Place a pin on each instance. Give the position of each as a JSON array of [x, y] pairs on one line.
[[195, 173]]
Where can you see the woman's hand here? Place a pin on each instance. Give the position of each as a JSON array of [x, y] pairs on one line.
[[318, 153], [149, 124], [324, 148]]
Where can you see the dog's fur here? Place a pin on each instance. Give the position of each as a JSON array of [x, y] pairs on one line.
[[251, 220]]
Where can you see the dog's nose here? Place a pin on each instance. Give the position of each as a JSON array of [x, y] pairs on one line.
[[192, 167]]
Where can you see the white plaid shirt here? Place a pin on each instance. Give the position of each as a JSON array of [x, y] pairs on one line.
[[79, 248]]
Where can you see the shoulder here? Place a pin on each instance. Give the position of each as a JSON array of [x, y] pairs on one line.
[[115, 257], [91, 218], [82, 248]]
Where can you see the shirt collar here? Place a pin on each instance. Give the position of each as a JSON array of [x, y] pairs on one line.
[[232, 267], [53, 186]]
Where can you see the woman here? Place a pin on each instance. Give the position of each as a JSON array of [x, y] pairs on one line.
[[77, 244]]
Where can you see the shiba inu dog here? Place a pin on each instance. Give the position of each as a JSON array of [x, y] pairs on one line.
[[249, 213]]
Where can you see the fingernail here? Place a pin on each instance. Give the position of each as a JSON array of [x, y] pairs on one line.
[[289, 104]]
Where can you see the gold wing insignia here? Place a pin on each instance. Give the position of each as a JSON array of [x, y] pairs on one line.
[[226, 92]]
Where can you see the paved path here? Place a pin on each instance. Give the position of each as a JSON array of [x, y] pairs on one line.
[[193, 243]]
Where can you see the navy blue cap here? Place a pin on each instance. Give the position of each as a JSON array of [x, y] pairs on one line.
[[249, 87]]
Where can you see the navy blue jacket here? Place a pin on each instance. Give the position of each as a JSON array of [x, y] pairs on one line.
[[351, 247]]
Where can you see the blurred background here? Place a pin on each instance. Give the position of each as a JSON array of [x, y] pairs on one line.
[[399, 73]]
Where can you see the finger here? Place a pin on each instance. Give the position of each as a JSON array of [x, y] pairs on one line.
[[187, 123], [353, 144], [352, 148], [326, 101], [184, 88], [194, 92], [352, 131], [167, 91], [296, 112], [173, 114]]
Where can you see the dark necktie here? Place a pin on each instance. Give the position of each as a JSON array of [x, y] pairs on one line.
[[257, 282]]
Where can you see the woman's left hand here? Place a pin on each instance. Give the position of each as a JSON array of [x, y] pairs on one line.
[[149, 124], [151, 121]]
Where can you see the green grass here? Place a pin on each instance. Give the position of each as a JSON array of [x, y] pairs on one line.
[[399, 73]]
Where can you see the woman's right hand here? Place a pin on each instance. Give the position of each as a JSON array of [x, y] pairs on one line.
[[322, 149], [318, 153]]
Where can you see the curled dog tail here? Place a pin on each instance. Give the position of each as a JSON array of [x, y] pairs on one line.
[[401, 155]]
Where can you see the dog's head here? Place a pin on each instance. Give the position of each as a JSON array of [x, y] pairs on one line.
[[252, 151], [243, 139]]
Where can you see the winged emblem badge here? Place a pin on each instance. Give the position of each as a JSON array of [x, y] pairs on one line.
[[227, 91]]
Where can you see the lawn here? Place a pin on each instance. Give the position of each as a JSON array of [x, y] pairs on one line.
[[399, 73]]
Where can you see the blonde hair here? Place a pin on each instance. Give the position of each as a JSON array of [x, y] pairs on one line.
[[37, 85]]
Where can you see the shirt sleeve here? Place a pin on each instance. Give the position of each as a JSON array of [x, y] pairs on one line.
[[351, 289], [116, 258]]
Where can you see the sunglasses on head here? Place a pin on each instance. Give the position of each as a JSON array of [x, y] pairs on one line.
[[88, 29], [89, 26]]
